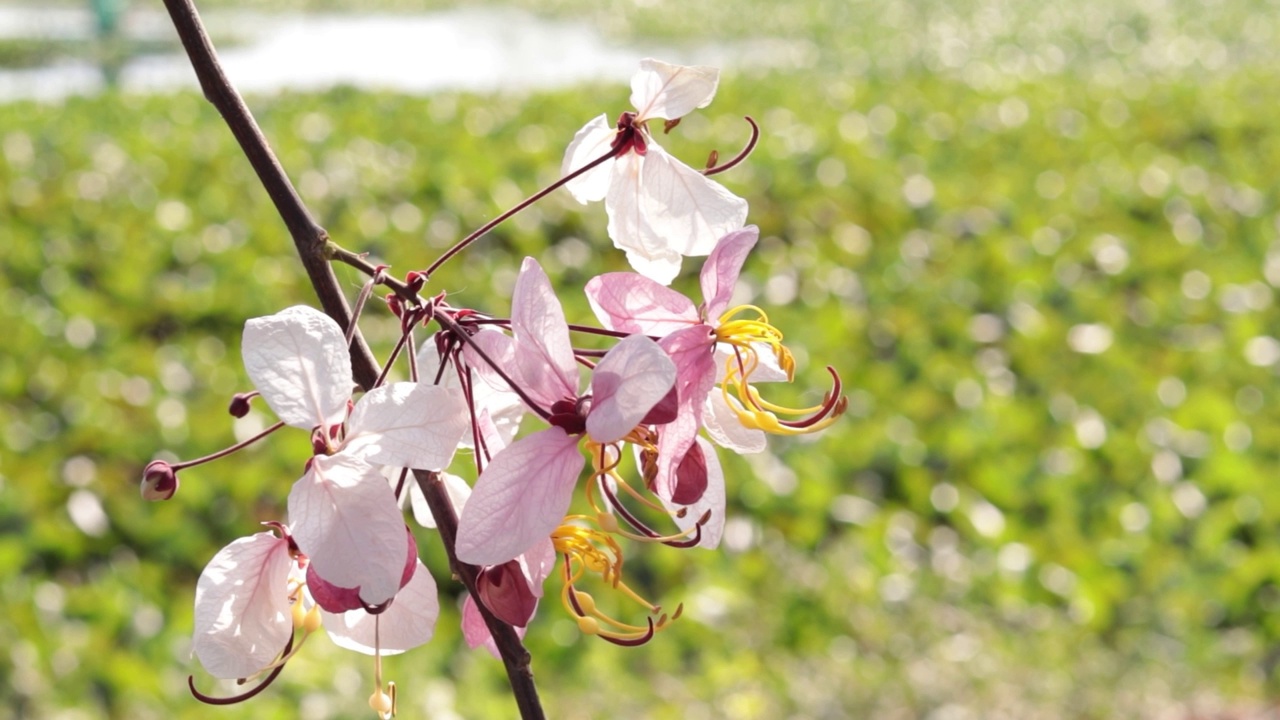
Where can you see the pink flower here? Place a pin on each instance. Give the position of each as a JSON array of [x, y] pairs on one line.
[[631, 303], [659, 208], [525, 491]]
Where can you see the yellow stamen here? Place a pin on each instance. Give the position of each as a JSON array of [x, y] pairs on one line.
[[752, 411], [590, 550]]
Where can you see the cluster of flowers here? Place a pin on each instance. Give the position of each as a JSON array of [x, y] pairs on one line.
[[676, 374]]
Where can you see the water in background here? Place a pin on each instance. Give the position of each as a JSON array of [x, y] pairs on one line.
[[472, 49]]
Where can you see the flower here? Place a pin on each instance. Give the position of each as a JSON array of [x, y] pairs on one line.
[[694, 335], [659, 208], [344, 516], [525, 491], [258, 591]]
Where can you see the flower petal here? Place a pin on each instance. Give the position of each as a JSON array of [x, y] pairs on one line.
[[408, 623], [660, 209], [690, 351], [685, 206], [631, 378], [298, 360], [242, 618], [594, 140], [520, 497], [544, 363], [720, 272], [406, 424], [713, 500], [476, 632], [457, 489], [632, 303], [723, 426], [345, 519], [662, 90]]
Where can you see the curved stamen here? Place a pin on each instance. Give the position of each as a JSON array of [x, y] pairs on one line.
[[212, 700], [742, 155]]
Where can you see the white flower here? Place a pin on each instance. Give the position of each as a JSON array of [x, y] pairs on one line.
[[659, 208], [343, 515]]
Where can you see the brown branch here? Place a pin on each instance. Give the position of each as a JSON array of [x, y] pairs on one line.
[[313, 246], [308, 237], [514, 655]]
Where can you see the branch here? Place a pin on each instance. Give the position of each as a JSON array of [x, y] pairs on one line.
[[311, 242], [514, 655], [308, 237]]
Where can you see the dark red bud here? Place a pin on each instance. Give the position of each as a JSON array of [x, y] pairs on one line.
[[240, 404], [415, 281], [506, 592], [334, 599], [665, 411], [159, 481], [691, 477]]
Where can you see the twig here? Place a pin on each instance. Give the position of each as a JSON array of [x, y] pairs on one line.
[[311, 242]]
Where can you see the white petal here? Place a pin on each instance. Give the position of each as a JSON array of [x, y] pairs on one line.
[[298, 360], [520, 497], [345, 519], [661, 90], [723, 425], [497, 407], [631, 378], [242, 618], [407, 424], [457, 489], [592, 141], [661, 209], [689, 209], [713, 500], [767, 367], [408, 623]]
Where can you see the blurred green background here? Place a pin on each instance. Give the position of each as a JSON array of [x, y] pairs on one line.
[[1038, 240]]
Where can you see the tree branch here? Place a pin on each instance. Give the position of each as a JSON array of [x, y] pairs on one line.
[[312, 244], [308, 237]]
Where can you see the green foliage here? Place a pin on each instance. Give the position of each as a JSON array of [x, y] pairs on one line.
[[1001, 522]]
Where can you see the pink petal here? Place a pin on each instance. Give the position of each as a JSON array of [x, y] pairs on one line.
[[298, 360], [713, 499], [691, 352], [632, 377], [631, 303], [406, 424], [496, 346], [408, 623], [520, 497], [242, 617], [592, 141], [661, 90], [345, 519], [720, 272], [544, 360], [476, 632]]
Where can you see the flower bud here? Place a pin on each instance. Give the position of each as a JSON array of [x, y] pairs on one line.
[[159, 481], [240, 404]]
